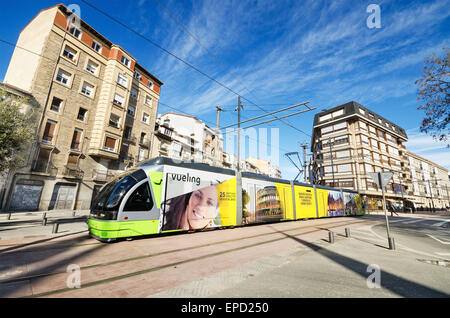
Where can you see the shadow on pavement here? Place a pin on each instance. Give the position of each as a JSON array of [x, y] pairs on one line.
[[31, 253], [394, 283]]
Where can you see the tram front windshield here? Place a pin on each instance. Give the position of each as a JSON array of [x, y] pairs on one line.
[[107, 202]]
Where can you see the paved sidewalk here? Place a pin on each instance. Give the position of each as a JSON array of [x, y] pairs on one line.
[[30, 224]]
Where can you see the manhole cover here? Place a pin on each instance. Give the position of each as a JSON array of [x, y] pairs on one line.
[[435, 262]]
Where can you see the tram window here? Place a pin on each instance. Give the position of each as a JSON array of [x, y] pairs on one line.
[[140, 200]]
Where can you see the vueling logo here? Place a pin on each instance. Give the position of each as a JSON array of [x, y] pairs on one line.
[[185, 178]]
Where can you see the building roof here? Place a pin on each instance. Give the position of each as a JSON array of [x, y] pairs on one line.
[[14, 88], [353, 109]]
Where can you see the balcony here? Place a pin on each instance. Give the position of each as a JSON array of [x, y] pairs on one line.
[[73, 172], [103, 175], [130, 138], [41, 166], [144, 142]]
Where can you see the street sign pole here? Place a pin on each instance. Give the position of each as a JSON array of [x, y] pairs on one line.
[[384, 205], [382, 179]]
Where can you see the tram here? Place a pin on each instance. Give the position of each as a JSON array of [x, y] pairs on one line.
[[164, 195]]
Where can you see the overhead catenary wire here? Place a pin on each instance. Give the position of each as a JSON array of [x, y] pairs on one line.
[[68, 66], [184, 62]]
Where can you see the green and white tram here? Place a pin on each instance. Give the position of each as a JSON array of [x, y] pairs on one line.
[[162, 195]]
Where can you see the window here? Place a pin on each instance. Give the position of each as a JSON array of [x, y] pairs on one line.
[[110, 144], [73, 160], [127, 132], [75, 32], [373, 143], [119, 100], [69, 53], [76, 140], [97, 47], [140, 154], [92, 67], [87, 89], [114, 120], [63, 77], [364, 139], [150, 84], [82, 114], [372, 130], [137, 75], [362, 126], [122, 80], [49, 132], [145, 118], [131, 111], [148, 100], [143, 139], [125, 60], [134, 93], [56, 104], [140, 200], [362, 111]]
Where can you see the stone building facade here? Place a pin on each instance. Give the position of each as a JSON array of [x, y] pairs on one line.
[[350, 141], [97, 111]]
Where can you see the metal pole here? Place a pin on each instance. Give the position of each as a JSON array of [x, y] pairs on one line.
[[216, 143], [238, 169], [304, 146], [390, 240], [431, 192]]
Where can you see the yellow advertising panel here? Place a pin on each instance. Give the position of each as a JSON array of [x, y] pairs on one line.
[[226, 192], [322, 202], [305, 202], [284, 192]]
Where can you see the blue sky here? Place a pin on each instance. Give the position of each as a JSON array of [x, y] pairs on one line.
[[275, 54]]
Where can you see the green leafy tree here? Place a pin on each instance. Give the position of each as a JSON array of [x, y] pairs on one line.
[[433, 91], [16, 130]]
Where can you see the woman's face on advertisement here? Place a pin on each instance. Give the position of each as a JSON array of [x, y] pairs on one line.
[[202, 207]]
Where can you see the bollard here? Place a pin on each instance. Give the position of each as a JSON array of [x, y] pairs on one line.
[[44, 221], [55, 228], [73, 213], [347, 232], [391, 243], [331, 237], [9, 216]]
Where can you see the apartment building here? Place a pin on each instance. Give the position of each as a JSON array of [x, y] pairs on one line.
[[430, 184], [265, 167], [187, 138], [97, 110], [348, 142]]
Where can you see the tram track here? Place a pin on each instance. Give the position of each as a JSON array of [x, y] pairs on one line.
[[316, 228]]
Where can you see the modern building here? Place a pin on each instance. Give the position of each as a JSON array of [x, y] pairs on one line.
[[429, 182], [97, 111], [348, 142]]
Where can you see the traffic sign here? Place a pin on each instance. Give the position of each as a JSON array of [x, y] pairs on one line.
[[385, 177]]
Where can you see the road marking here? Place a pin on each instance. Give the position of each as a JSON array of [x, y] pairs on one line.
[[440, 223], [438, 239], [443, 254]]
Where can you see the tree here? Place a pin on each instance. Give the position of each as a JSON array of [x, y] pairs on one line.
[[433, 91], [16, 130]]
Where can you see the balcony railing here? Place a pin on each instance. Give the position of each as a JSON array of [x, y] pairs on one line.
[[103, 175], [130, 138], [73, 172], [44, 167]]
